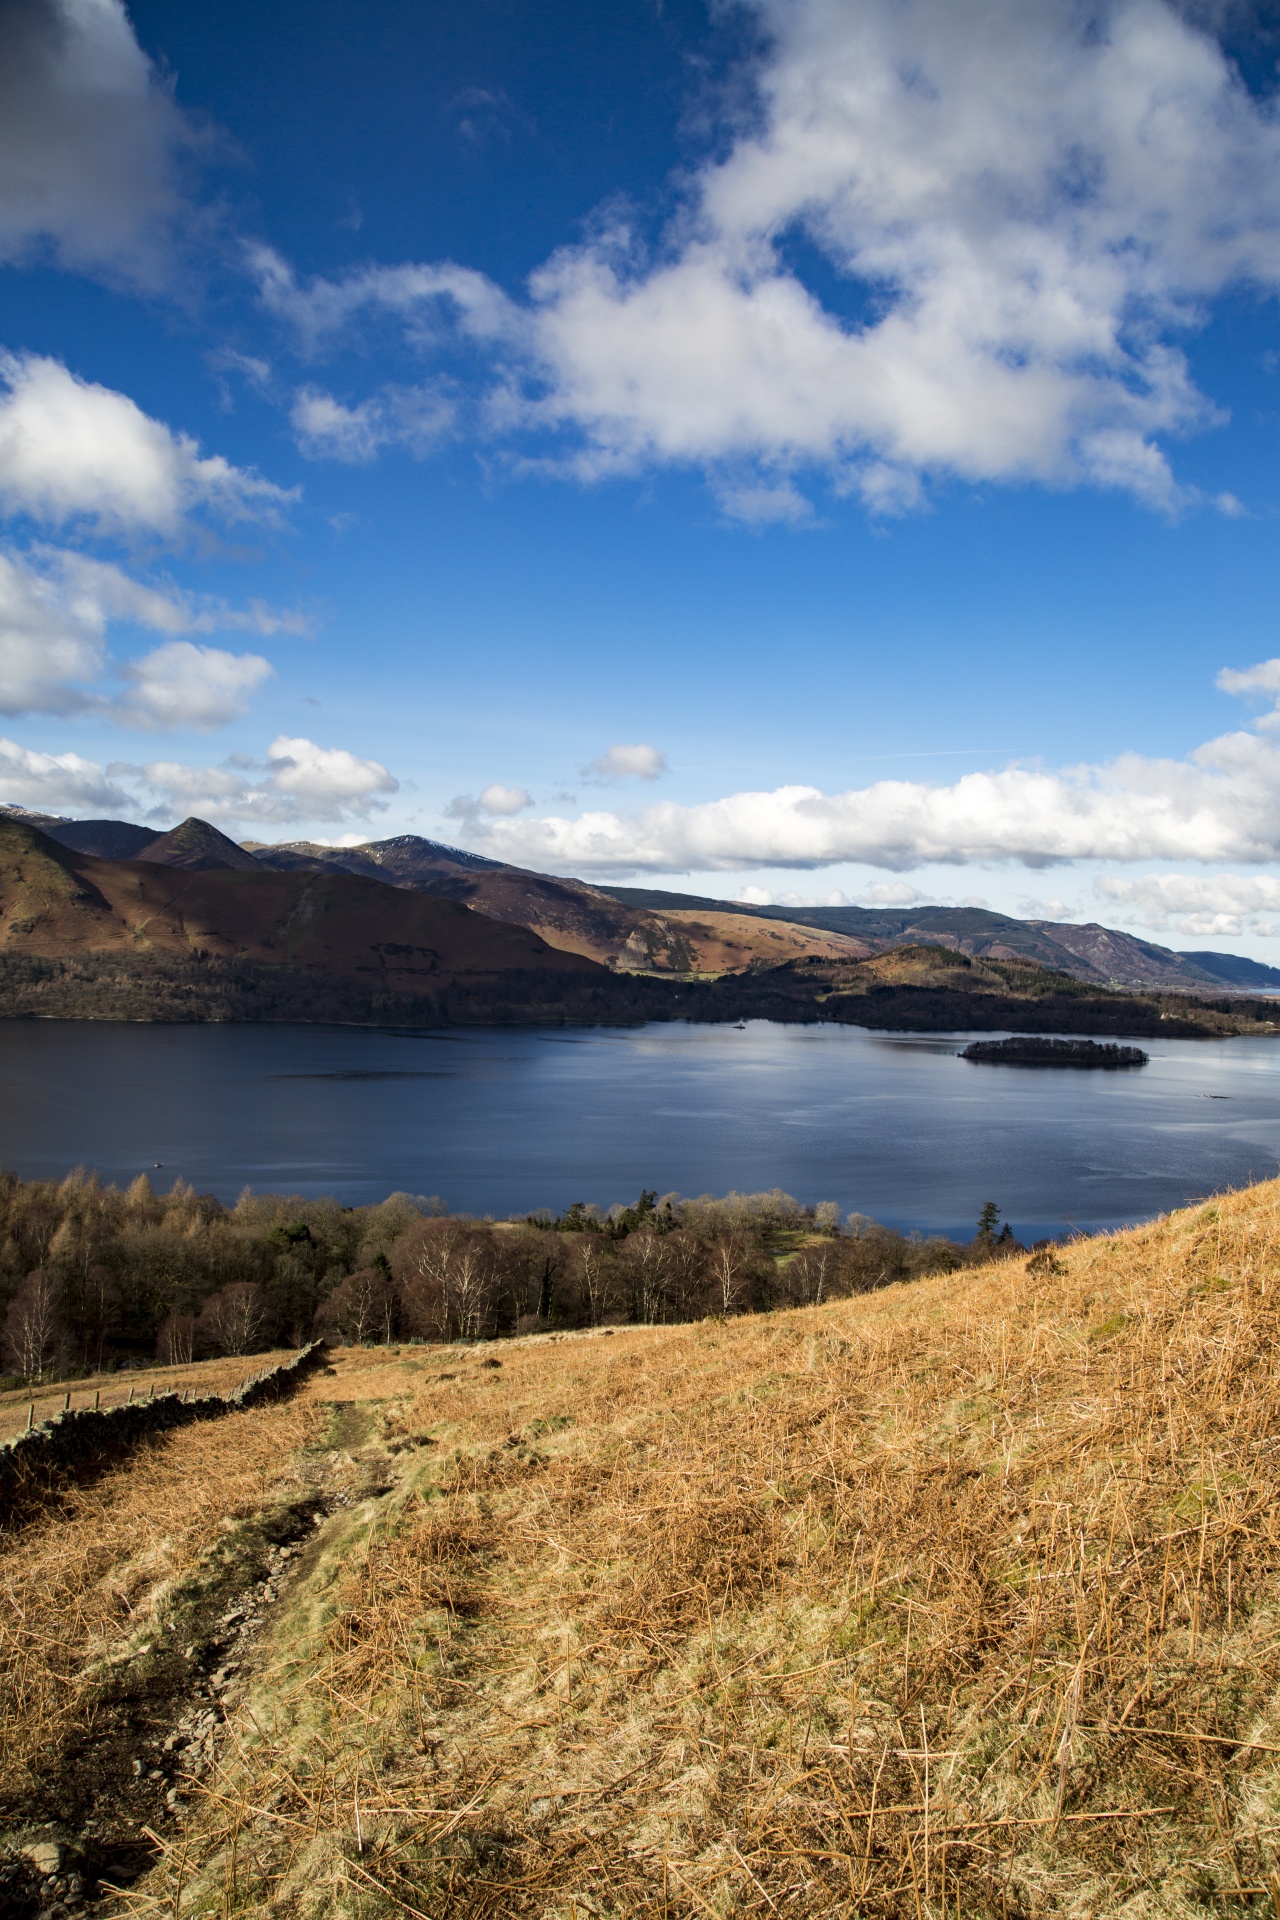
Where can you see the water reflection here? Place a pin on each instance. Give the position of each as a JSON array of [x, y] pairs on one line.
[[891, 1125]]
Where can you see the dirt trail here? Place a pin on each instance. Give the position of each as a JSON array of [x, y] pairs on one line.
[[130, 1617]]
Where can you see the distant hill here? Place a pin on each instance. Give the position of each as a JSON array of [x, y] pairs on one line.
[[106, 839], [83, 938], [58, 904], [656, 930], [1100, 955], [1236, 971], [199, 848]]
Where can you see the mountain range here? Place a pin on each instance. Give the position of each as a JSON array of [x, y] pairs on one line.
[[647, 930]]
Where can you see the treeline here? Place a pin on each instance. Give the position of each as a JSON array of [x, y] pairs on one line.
[[94, 1277], [198, 988]]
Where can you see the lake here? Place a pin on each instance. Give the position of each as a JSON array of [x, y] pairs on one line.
[[503, 1121]]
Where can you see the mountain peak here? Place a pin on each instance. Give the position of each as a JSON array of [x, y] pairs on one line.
[[200, 848]]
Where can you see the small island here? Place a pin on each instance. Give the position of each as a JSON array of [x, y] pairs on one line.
[[1030, 1050]]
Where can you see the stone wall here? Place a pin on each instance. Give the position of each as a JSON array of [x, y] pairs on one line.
[[74, 1443]]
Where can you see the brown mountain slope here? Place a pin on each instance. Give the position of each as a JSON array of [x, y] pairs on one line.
[[57, 903], [198, 847], [568, 913], [107, 839]]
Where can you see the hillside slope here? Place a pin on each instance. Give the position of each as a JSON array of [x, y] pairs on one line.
[[199, 847], [648, 930], [1099, 955], [569, 913], [54, 902], [957, 1597]]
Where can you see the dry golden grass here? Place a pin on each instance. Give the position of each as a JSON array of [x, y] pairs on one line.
[[959, 1599], [111, 1389], [83, 1581]]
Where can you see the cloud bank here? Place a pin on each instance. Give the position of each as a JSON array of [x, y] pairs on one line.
[[298, 781], [1019, 211], [1220, 804]]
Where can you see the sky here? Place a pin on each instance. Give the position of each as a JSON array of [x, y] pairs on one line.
[[796, 450]]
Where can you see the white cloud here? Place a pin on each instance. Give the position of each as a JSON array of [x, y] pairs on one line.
[[74, 451], [183, 685], [1221, 803], [629, 763], [1194, 904], [423, 298], [47, 643], [416, 418], [494, 802], [1027, 205], [57, 782], [326, 782], [55, 611], [297, 783], [88, 139], [887, 893], [1264, 679]]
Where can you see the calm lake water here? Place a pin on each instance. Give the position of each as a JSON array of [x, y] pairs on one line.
[[895, 1126]]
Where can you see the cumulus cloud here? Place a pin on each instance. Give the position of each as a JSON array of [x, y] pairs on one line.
[[180, 684], [495, 802], [89, 139], [886, 893], [297, 782], [57, 782], [56, 608], [1221, 803], [1263, 679], [1194, 904], [629, 763], [416, 418], [71, 450], [47, 644], [1021, 210]]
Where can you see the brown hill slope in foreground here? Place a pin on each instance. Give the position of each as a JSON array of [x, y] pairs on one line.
[[55, 902], [957, 1597]]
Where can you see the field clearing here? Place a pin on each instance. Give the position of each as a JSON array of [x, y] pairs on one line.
[[113, 1389], [963, 1597]]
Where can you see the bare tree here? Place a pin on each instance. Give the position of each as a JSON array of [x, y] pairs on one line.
[[730, 1268], [813, 1275], [453, 1285], [594, 1270], [361, 1308], [33, 1324], [177, 1342], [235, 1318], [647, 1258]]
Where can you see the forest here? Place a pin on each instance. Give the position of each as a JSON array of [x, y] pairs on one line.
[[93, 1277]]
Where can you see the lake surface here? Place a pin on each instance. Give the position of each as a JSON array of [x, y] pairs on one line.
[[505, 1121]]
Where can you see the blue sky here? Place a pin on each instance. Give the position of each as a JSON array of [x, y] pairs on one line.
[[808, 451]]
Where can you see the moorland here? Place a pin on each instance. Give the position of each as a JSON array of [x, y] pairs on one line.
[[957, 1596]]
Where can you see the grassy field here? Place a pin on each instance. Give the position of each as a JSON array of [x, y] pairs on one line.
[[17, 1404], [961, 1598]]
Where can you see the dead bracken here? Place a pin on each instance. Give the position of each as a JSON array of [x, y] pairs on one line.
[[957, 1595]]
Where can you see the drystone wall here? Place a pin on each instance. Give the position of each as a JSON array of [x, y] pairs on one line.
[[76, 1442]]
